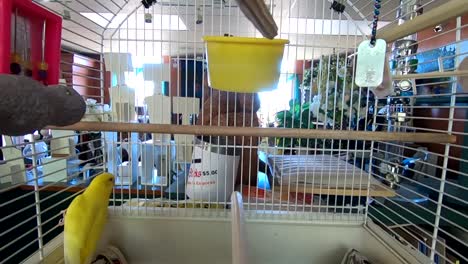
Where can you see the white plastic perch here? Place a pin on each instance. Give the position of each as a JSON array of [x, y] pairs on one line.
[[239, 242]]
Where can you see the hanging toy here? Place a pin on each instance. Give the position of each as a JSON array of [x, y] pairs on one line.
[[43, 67], [338, 6], [15, 66], [371, 56], [148, 3], [21, 113], [26, 60], [148, 18]]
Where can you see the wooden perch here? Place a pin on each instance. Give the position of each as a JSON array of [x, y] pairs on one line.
[[257, 12], [446, 11], [261, 132], [430, 75]]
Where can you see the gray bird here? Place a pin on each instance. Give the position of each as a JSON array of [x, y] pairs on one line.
[[27, 105]]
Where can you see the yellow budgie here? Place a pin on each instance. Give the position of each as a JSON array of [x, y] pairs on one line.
[[85, 219]]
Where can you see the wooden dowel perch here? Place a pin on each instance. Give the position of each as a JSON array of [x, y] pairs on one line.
[[257, 12], [446, 11], [429, 75], [260, 132]]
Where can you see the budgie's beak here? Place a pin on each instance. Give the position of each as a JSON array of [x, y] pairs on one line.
[[112, 180]]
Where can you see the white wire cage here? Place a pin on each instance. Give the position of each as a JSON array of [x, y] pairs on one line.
[[383, 174]]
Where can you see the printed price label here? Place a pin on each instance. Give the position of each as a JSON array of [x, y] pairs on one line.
[[198, 173]]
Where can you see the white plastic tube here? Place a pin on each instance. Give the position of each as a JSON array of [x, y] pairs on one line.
[[239, 242]]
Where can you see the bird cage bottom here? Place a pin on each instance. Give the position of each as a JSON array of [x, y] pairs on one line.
[[194, 238]]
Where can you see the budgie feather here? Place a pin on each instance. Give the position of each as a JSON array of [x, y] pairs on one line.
[[85, 219]]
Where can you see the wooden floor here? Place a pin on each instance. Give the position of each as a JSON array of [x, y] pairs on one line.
[[376, 190], [67, 187]]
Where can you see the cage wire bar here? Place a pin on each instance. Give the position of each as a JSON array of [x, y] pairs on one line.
[[34, 224], [413, 205], [434, 206]]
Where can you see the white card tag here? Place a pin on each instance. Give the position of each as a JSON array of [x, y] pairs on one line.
[[370, 63]]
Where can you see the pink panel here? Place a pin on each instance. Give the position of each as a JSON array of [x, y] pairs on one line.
[[53, 43], [36, 16], [5, 33]]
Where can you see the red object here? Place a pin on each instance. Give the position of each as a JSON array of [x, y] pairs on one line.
[[36, 16]]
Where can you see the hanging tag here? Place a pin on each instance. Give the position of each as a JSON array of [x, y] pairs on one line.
[[370, 63]]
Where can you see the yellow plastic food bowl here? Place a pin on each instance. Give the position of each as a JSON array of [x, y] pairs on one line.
[[246, 65]]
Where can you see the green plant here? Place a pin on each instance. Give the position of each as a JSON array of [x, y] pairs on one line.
[[332, 79], [297, 116], [339, 104]]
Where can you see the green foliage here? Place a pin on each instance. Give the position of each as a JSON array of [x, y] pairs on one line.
[[306, 79], [339, 107], [332, 79], [297, 116]]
